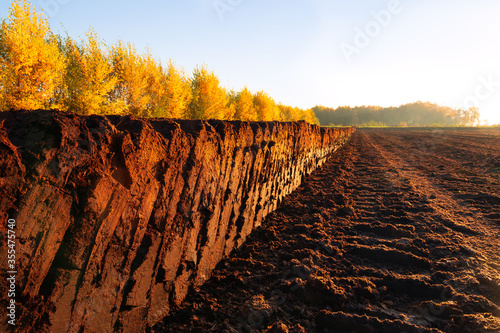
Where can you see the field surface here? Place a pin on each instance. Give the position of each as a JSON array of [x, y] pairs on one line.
[[398, 232]]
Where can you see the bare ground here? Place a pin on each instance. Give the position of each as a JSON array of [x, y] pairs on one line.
[[398, 232]]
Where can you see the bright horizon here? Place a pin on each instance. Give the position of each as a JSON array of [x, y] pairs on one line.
[[312, 53]]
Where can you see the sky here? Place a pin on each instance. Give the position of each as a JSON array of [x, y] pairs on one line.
[[313, 52]]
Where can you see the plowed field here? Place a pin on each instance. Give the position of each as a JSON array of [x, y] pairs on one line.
[[398, 232]]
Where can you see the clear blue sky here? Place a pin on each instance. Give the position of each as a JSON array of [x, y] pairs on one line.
[[309, 52]]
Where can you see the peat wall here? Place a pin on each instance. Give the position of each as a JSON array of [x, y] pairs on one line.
[[117, 217]]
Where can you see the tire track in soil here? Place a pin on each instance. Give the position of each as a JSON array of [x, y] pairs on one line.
[[454, 175], [371, 242]]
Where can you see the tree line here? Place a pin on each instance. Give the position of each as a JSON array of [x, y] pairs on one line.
[[413, 114], [43, 70]]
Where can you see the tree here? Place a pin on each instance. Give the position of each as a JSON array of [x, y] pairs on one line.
[[31, 64], [473, 116], [209, 98], [309, 116], [265, 107], [154, 92], [177, 93], [288, 113], [130, 92], [243, 105], [89, 76]]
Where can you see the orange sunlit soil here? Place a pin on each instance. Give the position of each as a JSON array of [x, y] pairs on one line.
[[398, 232]]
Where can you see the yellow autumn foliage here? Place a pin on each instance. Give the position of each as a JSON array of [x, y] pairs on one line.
[[130, 71], [30, 60], [209, 98], [177, 93], [265, 107], [41, 70], [89, 76], [155, 87], [244, 107]]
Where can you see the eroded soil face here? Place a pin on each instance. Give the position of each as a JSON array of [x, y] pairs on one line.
[[398, 232]]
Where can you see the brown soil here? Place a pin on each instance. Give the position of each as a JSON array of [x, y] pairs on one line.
[[118, 217], [398, 232]]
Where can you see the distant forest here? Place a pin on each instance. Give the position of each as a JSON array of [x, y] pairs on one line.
[[414, 114]]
